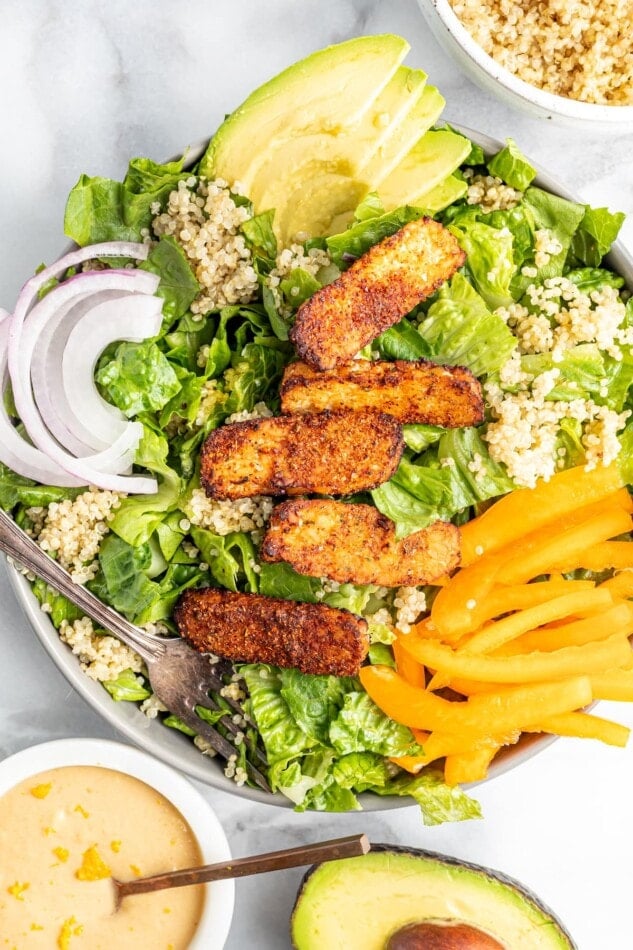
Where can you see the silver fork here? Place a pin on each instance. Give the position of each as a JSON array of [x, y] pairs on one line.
[[180, 677]]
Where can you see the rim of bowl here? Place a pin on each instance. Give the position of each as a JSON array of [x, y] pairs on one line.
[[217, 914], [549, 101], [176, 749]]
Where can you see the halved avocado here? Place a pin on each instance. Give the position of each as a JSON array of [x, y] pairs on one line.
[[324, 93], [436, 155], [370, 903]]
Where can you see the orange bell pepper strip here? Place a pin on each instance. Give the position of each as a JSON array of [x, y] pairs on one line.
[[582, 725], [561, 548], [490, 714], [451, 612], [527, 509], [621, 584], [613, 684], [466, 767], [503, 599], [408, 668], [525, 668], [618, 619], [495, 635], [600, 557]]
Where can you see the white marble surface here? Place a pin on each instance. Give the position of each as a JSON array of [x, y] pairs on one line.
[[85, 86]]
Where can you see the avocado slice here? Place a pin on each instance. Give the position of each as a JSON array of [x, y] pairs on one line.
[[404, 136], [430, 161], [443, 195], [324, 93], [362, 903], [303, 156]]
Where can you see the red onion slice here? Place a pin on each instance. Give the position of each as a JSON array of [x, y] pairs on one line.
[[135, 317], [15, 451], [23, 332]]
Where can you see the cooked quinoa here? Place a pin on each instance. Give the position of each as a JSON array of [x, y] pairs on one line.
[[561, 315], [490, 192], [289, 259], [581, 50], [72, 531], [525, 428], [205, 220], [223, 517], [102, 657]]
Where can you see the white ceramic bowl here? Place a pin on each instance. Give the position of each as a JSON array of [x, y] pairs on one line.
[[455, 39], [216, 918], [173, 747]]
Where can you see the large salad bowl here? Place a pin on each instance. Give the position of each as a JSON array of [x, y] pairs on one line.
[[172, 747]]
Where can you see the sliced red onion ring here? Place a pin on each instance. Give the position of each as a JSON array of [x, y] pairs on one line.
[[135, 317], [15, 451], [46, 375], [23, 332]]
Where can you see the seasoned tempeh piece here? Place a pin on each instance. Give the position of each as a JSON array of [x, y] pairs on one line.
[[379, 289], [413, 391], [356, 544], [251, 628], [329, 453]]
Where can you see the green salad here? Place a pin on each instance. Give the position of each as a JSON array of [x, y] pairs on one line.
[[534, 313]]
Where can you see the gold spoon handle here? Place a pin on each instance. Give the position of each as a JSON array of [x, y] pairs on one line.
[[240, 867]]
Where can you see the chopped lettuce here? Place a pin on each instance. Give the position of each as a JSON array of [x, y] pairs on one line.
[[362, 727], [283, 737], [100, 209], [314, 701], [139, 378], [511, 166], [127, 687], [178, 285], [230, 557], [489, 260], [346, 247], [453, 476], [17, 490], [260, 236], [438, 801], [461, 330], [596, 233]]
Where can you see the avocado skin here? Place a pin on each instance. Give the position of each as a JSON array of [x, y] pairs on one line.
[[450, 862]]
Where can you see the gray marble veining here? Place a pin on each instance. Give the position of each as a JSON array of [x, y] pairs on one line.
[[85, 86]]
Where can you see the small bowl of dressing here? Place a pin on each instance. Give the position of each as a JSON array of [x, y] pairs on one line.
[[76, 812]]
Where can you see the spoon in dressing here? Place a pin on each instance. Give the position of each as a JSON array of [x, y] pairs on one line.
[[350, 847]]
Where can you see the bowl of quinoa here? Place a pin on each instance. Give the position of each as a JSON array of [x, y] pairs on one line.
[[554, 60]]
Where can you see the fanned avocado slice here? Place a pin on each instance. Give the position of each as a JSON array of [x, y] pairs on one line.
[[403, 137], [434, 158], [324, 93], [304, 156], [366, 903], [443, 195]]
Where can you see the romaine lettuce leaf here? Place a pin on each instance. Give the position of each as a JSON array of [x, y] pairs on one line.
[[15, 490], [314, 701], [462, 331], [178, 286], [438, 801], [361, 771], [597, 231], [362, 727], [280, 580], [419, 437], [100, 209], [402, 342], [127, 687], [139, 378], [260, 236], [230, 557], [489, 260], [283, 738], [511, 166]]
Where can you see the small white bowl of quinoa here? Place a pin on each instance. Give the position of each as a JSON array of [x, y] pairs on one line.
[[570, 60]]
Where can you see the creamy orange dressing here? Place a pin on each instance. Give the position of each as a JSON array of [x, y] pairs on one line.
[[63, 833]]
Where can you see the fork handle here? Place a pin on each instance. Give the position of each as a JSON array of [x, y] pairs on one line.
[[18, 545]]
